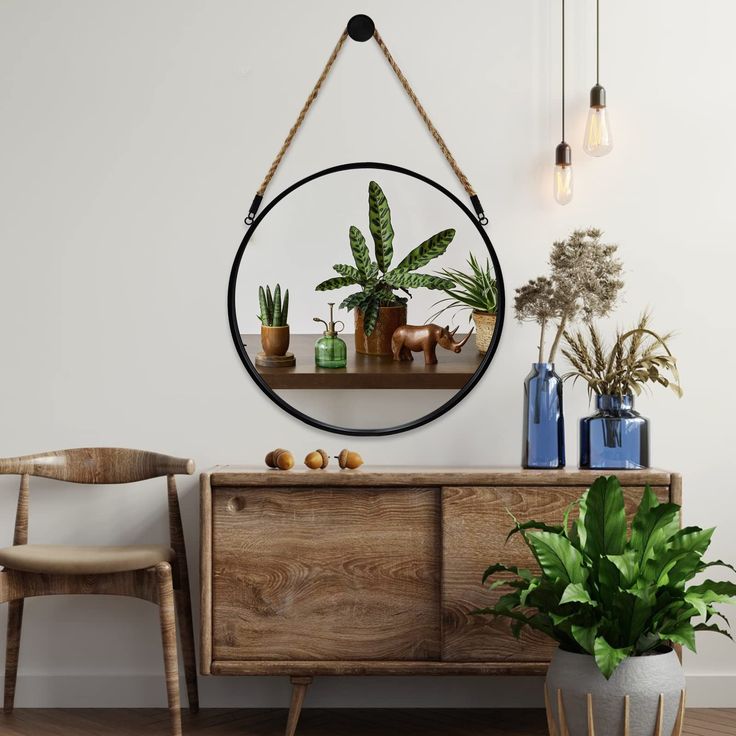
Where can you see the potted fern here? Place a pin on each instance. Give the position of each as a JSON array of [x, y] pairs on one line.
[[617, 436], [379, 310], [475, 291], [616, 602], [274, 316]]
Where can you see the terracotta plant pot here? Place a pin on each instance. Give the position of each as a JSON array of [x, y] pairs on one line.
[[485, 324], [644, 679], [379, 341], [275, 340]]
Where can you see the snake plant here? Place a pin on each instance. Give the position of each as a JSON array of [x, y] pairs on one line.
[[274, 310], [609, 592], [377, 280]]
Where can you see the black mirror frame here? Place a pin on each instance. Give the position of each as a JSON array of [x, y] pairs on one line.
[[379, 432]]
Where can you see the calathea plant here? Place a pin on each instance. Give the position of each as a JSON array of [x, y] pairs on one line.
[[377, 280], [611, 594]]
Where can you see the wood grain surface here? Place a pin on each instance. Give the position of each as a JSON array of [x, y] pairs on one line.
[[475, 522], [424, 475], [328, 574], [452, 371]]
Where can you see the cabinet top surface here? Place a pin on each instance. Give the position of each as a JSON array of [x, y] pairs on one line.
[[230, 475]]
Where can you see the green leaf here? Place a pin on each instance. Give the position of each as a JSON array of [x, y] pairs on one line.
[[713, 591], [349, 272], [653, 524], [682, 633], [277, 306], [628, 566], [407, 280], [430, 249], [557, 557], [269, 305], [382, 231], [520, 571], [540, 525], [604, 518], [715, 563], [681, 559], [607, 657], [585, 636], [263, 305], [336, 282], [576, 593], [713, 627], [360, 252], [370, 316], [285, 309], [353, 301]]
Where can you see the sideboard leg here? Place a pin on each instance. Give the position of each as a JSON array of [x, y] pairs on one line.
[[298, 691]]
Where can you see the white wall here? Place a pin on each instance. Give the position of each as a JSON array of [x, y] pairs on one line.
[[133, 137]]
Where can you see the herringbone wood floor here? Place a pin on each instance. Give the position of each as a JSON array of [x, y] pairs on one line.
[[315, 722]]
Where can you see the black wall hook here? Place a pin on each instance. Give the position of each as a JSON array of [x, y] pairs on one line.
[[361, 28]]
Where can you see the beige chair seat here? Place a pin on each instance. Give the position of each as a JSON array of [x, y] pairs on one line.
[[68, 560]]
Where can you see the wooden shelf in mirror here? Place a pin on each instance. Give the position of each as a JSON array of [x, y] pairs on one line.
[[452, 371]]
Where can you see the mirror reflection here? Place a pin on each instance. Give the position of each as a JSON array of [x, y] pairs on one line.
[[367, 299]]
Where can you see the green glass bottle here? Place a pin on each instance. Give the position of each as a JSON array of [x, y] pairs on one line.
[[330, 351]]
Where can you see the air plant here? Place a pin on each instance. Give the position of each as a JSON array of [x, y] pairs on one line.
[[476, 291], [637, 358]]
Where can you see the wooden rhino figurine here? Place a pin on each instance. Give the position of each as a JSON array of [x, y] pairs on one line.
[[415, 338]]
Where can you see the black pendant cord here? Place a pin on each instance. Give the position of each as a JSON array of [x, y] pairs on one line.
[[563, 70], [597, 42]]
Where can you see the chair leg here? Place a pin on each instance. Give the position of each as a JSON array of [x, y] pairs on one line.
[[15, 621], [168, 637], [186, 636]]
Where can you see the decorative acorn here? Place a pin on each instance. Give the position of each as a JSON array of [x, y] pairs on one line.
[[280, 459], [349, 460], [317, 460]]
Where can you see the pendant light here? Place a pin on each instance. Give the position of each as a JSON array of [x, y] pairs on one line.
[[598, 139], [563, 152]]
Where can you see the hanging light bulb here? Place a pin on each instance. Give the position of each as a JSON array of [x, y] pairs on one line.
[[563, 173], [563, 153], [598, 140]]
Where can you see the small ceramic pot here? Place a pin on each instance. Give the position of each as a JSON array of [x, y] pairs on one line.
[[485, 324], [379, 341], [275, 340], [643, 679]]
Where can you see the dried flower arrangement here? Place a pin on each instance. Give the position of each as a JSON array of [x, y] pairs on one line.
[[584, 282], [639, 356]]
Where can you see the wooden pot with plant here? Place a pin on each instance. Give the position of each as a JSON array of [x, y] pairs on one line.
[[379, 310], [274, 317], [616, 601], [583, 283], [475, 291], [617, 436]]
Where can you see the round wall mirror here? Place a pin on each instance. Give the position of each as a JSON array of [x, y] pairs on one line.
[[366, 299]]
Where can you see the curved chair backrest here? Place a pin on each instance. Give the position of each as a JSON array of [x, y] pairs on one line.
[[97, 465]]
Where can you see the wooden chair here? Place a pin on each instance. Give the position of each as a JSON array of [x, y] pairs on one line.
[[154, 573]]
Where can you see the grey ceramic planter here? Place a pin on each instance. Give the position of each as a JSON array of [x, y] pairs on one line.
[[643, 679]]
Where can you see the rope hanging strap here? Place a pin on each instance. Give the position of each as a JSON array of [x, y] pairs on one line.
[[409, 91]]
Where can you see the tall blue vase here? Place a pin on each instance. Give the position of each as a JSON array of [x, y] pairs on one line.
[[544, 425], [615, 437]]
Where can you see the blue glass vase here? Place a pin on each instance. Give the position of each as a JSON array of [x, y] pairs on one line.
[[615, 437], [544, 425]]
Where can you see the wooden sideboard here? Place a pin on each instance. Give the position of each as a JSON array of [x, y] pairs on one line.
[[374, 571]]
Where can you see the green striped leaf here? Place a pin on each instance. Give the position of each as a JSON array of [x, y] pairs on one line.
[[370, 316], [348, 271], [277, 306], [335, 283], [360, 252], [353, 301], [408, 280], [427, 251], [379, 215]]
